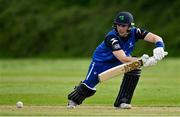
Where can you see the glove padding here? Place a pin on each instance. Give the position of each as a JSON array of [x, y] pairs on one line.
[[148, 61], [159, 53]]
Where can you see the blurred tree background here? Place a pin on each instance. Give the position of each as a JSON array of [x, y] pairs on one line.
[[73, 28]]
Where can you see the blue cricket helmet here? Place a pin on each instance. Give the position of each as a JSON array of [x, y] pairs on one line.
[[124, 18]]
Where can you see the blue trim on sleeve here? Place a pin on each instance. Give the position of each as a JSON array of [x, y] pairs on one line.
[[159, 44]]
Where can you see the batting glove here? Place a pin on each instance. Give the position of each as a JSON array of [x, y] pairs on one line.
[[148, 61], [144, 58], [158, 53]]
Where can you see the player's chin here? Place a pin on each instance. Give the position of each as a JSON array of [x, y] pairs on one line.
[[123, 34]]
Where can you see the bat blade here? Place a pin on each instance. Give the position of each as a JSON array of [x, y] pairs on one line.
[[120, 69]]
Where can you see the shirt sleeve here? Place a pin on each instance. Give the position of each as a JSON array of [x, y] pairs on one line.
[[112, 42], [140, 34]]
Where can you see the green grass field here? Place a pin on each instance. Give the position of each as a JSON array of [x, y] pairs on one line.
[[43, 86]]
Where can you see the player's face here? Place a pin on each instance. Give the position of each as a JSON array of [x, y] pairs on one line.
[[122, 29]]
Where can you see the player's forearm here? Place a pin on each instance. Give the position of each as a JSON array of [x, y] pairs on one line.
[[150, 37], [120, 55], [127, 59]]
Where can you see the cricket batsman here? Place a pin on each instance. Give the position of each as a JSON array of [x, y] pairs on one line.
[[115, 50]]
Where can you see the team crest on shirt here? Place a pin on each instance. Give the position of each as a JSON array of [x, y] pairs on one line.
[[130, 45]]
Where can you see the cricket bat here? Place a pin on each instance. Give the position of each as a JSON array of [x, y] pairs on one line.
[[120, 69]]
